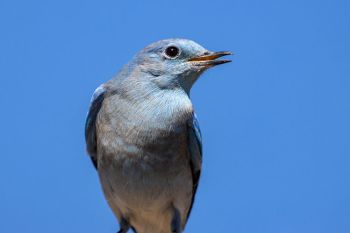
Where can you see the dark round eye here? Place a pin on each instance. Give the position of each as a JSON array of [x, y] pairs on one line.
[[172, 51]]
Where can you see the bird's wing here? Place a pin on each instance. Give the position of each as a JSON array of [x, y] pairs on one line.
[[195, 149], [90, 124]]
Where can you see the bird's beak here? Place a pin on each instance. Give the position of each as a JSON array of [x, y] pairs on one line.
[[209, 60]]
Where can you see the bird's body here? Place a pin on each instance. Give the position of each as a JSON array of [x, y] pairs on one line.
[[143, 154], [144, 140]]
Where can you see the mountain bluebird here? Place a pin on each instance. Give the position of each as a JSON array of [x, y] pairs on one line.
[[143, 136]]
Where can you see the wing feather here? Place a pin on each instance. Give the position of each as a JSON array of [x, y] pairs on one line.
[[90, 124], [195, 149]]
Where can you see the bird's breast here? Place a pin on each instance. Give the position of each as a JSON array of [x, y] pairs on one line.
[[143, 152], [149, 118], [146, 171]]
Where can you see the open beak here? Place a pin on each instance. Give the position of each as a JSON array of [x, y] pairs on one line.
[[209, 60]]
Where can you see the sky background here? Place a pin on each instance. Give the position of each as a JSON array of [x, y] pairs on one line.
[[275, 121]]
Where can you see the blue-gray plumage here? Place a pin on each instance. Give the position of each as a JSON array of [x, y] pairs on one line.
[[143, 136]]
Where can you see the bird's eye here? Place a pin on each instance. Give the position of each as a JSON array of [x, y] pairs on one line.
[[172, 52]]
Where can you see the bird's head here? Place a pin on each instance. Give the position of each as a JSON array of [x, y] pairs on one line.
[[174, 63]]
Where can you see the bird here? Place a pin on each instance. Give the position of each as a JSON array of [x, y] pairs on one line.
[[143, 136]]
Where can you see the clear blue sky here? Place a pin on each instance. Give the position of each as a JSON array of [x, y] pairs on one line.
[[275, 122]]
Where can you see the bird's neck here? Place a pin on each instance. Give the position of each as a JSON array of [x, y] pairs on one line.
[[167, 106], [151, 103]]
